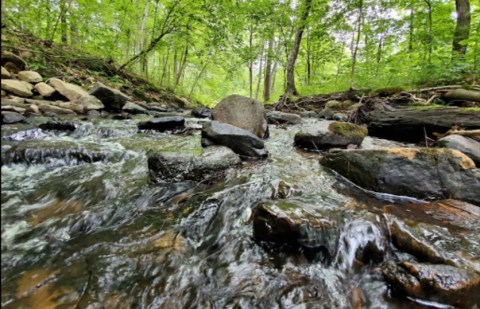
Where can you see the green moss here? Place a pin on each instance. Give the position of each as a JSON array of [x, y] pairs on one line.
[[387, 91], [348, 129], [427, 107], [473, 109]]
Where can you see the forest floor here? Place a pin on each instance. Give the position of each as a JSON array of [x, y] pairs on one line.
[[75, 66]]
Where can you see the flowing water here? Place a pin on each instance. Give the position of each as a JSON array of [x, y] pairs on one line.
[[92, 230]]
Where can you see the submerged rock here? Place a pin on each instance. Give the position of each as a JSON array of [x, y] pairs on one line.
[[276, 117], [426, 173], [242, 112], [239, 140], [56, 125], [467, 145], [434, 282], [168, 123], [51, 153], [205, 166], [338, 135]]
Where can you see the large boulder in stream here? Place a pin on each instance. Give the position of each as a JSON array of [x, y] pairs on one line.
[[339, 134], [162, 124], [239, 140], [202, 112], [434, 282], [68, 90], [113, 99], [426, 173], [242, 112], [206, 165], [467, 145]]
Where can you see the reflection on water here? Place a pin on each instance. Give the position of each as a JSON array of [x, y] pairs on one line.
[[99, 234]]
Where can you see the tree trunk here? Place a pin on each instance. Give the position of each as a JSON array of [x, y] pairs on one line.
[[260, 72], [430, 31], [291, 89], [63, 21], [268, 72], [274, 75], [462, 29], [196, 80], [183, 64], [250, 62], [355, 50], [410, 39], [309, 68]]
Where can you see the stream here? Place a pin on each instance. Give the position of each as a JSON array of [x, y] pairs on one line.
[[94, 231]]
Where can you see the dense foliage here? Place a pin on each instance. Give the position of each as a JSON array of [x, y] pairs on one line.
[[207, 49]]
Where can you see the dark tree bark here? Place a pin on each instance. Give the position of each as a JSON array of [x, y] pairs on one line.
[[430, 31], [291, 89], [462, 30], [63, 21], [268, 72]]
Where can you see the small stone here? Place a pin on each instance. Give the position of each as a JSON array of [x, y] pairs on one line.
[[44, 90], [30, 76], [11, 117]]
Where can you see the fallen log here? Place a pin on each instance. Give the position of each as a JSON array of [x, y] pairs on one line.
[[463, 94], [415, 125]]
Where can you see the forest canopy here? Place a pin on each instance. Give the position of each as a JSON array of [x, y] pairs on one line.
[[206, 50]]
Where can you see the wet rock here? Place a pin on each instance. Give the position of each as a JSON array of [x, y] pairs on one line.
[[58, 126], [11, 117], [89, 102], [203, 112], [241, 141], [467, 145], [326, 113], [362, 242], [17, 87], [51, 153], [338, 135], [30, 76], [133, 108], [15, 109], [434, 282], [162, 124], [113, 99], [205, 166], [32, 134], [44, 90], [426, 173], [5, 73], [340, 117], [68, 90], [288, 224], [93, 113], [439, 232], [121, 117], [309, 114], [14, 101], [242, 112], [276, 117]]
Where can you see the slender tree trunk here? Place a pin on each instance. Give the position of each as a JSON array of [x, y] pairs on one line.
[[268, 72], [48, 15], [165, 65], [73, 24], [462, 29], [410, 38], [260, 71], [430, 31], [291, 89], [183, 64], [250, 62], [379, 55], [355, 49], [63, 21], [309, 65], [196, 80], [274, 75]]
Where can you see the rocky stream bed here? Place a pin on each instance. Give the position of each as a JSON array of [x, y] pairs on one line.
[[102, 214]]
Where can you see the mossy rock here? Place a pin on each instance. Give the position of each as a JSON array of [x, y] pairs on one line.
[[348, 129], [388, 91]]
